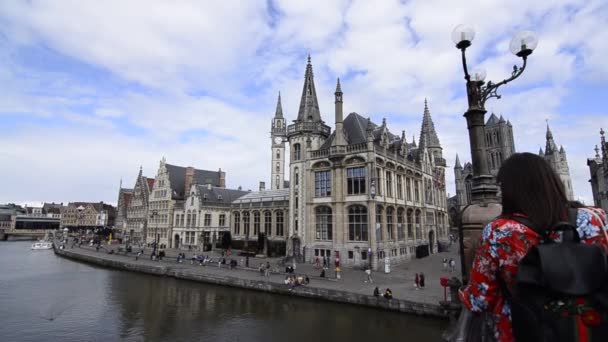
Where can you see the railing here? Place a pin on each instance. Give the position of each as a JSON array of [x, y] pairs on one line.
[[357, 147], [315, 127], [334, 150], [319, 153]]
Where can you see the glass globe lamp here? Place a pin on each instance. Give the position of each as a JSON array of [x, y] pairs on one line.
[[462, 36], [523, 43]]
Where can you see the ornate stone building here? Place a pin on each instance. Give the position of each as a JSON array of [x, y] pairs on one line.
[[361, 193], [203, 217], [598, 168], [557, 159], [136, 224], [84, 215], [124, 198], [172, 184]]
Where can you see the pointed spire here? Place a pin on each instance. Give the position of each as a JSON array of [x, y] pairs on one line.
[[492, 120], [403, 136], [597, 152], [540, 151], [338, 87], [428, 135], [561, 149], [502, 119], [309, 105], [509, 122], [120, 186], [414, 140], [550, 147], [279, 111], [457, 166]]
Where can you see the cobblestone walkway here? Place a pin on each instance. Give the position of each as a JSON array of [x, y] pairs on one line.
[[400, 280]]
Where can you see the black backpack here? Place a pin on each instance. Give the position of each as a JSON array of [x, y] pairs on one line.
[[560, 292]]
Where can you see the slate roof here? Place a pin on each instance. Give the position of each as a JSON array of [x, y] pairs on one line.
[[309, 105], [218, 196], [264, 196], [150, 182], [177, 177], [492, 120]]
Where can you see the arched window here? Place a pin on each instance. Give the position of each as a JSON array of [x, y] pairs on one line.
[[246, 223], [390, 218], [278, 167], [280, 222], [237, 223], [194, 219], [296, 152], [379, 228], [400, 228], [296, 176], [268, 222], [418, 224], [323, 223], [278, 154], [188, 219], [277, 182], [357, 223], [256, 223]]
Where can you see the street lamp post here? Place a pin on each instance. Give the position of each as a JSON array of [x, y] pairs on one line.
[[152, 216], [484, 202]]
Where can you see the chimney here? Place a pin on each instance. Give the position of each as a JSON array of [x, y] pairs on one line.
[[189, 179], [262, 186], [222, 178]]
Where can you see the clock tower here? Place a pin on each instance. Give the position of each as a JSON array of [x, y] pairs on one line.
[[278, 137]]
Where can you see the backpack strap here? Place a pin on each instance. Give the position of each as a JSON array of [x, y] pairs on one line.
[[526, 222]]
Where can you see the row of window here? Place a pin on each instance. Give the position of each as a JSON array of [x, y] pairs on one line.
[[189, 220], [160, 193], [246, 219]]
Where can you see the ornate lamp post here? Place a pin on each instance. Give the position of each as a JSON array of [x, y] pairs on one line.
[[484, 202]]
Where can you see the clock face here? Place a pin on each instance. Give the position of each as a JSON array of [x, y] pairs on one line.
[[278, 140]]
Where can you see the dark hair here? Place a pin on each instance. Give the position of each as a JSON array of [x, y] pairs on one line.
[[530, 187]]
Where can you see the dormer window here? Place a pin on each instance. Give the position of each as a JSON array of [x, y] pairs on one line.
[[219, 197]]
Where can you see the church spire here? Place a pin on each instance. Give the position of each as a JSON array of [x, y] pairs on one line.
[[309, 105], [428, 135], [279, 112], [551, 147], [457, 166]]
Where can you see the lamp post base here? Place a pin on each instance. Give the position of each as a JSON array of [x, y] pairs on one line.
[[474, 218]]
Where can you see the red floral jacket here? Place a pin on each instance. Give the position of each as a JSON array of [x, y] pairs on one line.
[[504, 243]]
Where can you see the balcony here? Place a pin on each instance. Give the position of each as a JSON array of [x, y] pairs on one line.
[[311, 127]]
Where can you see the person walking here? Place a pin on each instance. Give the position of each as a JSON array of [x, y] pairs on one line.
[[452, 265], [416, 282], [445, 264], [368, 272], [376, 292], [267, 269], [533, 193], [324, 262], [421, 281], [318, 262], [338, 272]]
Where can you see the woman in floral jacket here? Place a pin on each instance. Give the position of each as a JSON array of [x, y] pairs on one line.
[[531, 189]]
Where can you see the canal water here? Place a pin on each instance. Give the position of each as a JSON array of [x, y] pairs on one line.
[[47, 298]]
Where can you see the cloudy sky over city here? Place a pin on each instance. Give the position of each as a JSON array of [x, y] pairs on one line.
[[92, 90]]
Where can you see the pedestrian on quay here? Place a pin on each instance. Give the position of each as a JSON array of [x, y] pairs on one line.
[[219, 262], [338, 273], [267, 274], [368, 272], [247, 261], [322, 275], [388, 294], [445, 264], [421, 281], [376, 292], [416, 281], [318, 262], [137, 256], [324, 262], [262, 269]]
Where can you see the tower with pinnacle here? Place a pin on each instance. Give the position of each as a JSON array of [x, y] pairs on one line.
[[598, 169], [558, 161], [278, 138], [307, 133]]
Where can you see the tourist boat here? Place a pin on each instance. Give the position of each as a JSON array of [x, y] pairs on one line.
[[42, 245]]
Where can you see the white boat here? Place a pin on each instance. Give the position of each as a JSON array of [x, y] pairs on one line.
[[42, 245]]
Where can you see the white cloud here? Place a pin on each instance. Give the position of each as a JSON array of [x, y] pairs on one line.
[[197, 81]]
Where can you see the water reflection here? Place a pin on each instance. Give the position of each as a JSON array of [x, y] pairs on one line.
[[55, 298]]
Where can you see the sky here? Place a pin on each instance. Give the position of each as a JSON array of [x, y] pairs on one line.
[[92, 90]]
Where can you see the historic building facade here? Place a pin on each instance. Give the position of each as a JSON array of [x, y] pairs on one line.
[[259, 221], [84, 215], [558, 161], [360, 193], [203, 217], [172, 184], [124, 198], [598, 168], [136, 225]]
